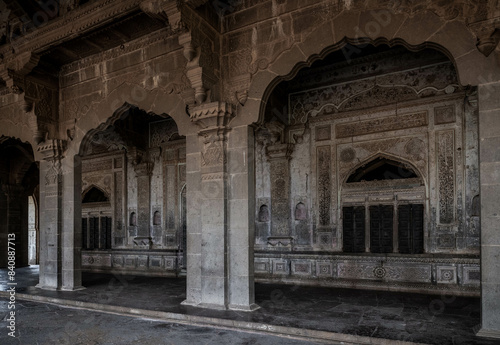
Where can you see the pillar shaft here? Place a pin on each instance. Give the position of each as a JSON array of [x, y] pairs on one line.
[[60, 220], [220, 199], [489, 163]]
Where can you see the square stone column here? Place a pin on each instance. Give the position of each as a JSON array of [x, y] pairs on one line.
[[489, 168], [71, 231], [60, 219], [220, 224], [241, 213], [193, 231]]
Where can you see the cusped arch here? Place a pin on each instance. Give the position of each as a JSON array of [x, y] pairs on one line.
[[102, 114], [440, 34]]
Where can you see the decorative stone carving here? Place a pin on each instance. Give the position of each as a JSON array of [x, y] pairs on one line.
[[212, 116], [323, 133], [415, 148], [444, 115], [381, 125], [446, 176], [213, 154], [347, 155], [324, 184], [162, 131]]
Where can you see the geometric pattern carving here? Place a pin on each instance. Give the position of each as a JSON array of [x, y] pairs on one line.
[[381, 125], [324, 269], [446, 275], [280, 267], [446, 176], [471, 275], [446, 241], [324, 239], [324, 193], [444, 114], [301, 268]]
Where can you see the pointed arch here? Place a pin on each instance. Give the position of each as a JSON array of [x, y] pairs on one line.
[[472, 67], [383, 157], [94, 193]]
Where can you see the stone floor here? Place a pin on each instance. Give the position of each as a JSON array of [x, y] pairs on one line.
[[45, 324], [440, 320]]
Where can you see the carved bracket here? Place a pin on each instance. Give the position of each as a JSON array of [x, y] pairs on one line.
[[488, 35], [167, 11], [200, 80]]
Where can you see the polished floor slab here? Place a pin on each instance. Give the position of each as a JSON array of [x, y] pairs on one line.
[[440, 320]]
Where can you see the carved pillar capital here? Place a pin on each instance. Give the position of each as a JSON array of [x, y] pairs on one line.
[[52, 150], [212, 117]]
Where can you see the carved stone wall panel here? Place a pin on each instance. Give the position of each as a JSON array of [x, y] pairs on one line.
[[445, 152], [280, 191], [412, 149], [385, 124], [372, 92], [324, 171], [444, 114], [118, 206]]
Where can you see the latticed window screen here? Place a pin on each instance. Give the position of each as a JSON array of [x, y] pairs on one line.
[[381, 228], [411, 228], [354, 229]]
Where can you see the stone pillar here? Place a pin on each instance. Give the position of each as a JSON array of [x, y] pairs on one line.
[[71, 231], [194, 221], [489, 167], [60, 218], [143, 172], [220, 271], [241, 210], [17, 220]]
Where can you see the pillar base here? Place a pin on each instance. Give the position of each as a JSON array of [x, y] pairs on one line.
[[244, 307], [488, 333], [251, 307], [51, 288], [78, 288]]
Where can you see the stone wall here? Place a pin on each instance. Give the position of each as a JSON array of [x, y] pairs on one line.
[[342, 117]]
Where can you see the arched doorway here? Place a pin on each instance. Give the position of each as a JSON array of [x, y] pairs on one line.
[[133, 170], [390, 217], [19, 176]]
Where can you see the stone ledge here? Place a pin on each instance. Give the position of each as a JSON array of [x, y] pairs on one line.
[[488, 333]]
